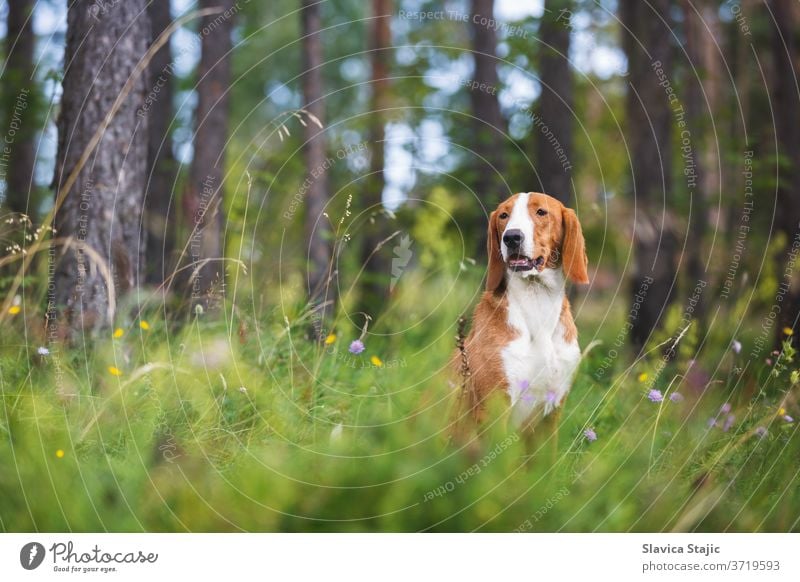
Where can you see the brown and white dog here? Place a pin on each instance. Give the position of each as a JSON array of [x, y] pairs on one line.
[[523, 340]]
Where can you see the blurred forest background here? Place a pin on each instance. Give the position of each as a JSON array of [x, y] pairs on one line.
[[203, 205]]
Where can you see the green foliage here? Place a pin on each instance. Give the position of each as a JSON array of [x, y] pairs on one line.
[[432, 229]]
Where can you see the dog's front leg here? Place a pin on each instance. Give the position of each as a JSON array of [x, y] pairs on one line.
[[540, 435]]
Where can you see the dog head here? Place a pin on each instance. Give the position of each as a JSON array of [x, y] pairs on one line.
[[531, 232]]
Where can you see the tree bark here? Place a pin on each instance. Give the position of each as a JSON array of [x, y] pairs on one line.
[[103, 209], [786, 100], [376, 261], [317, 228], [738, 54], [490, 126], [702, 31], [553, 150], [203, 200], [19, 94], [162, 167], [646, 43]]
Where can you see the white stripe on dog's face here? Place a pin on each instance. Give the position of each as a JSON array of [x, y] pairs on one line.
[[520, 219]]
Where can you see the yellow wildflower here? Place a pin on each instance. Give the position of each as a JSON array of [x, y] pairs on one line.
[[60, 453], [118, 333], [14, 309], [330, 339], [114, 371], [144, 325], [643, 377], [376, 361], [788, 331]]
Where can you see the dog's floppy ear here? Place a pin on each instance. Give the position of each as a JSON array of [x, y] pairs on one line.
[[496, 266], [573, 249]]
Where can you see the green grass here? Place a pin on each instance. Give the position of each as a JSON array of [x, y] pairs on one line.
[[210, 429]]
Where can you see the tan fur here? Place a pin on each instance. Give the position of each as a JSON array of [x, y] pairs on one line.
[[496, 271], [573, 248], [490, 333], [570, 330]]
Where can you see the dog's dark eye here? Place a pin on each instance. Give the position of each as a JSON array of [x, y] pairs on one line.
[[541, 212], [503, 215]]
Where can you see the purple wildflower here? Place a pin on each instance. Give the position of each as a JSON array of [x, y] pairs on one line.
[[356, 346], [761, 431], [725, 408], [736, 346], [788, 418], [551, 397], [525, 392], [655, 396], [676, 397], [590, 435], [729, 420], [768, 361], [712, 422]]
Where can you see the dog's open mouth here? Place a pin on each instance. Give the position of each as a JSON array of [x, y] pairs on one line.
[[523, 263]]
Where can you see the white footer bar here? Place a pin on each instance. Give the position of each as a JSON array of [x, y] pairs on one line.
[[402, 557]]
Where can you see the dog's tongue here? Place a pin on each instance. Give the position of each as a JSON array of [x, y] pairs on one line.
[[518, 261]]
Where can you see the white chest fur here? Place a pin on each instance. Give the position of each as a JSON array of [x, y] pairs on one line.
[[539, 364]]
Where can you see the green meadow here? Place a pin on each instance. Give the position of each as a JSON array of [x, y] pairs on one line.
[[237, 422]]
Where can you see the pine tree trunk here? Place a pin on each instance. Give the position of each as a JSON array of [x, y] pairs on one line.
[[317, 227], [702, 102], [203, 200], [162, 167], [553, 151], [376, 261], [489, 125], [19, 108], [648, 133], [786, 102], [103, 209]]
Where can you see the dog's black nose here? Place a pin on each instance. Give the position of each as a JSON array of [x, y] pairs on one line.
[[513, 238]]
